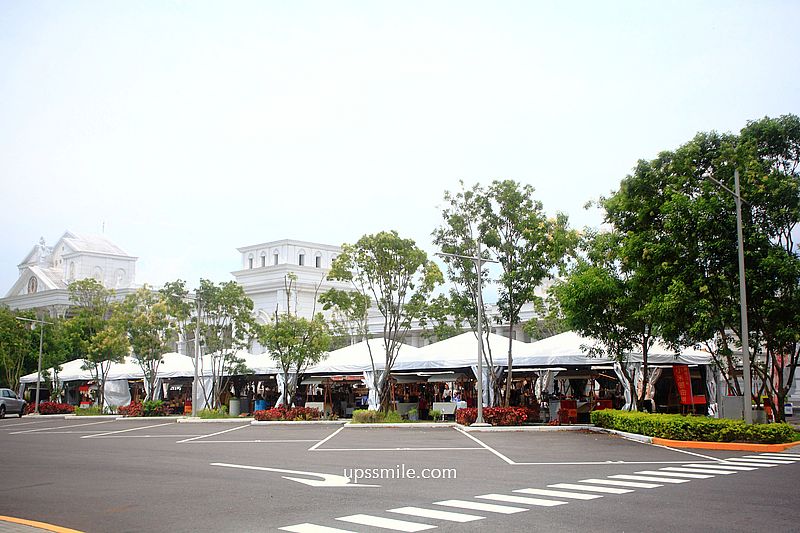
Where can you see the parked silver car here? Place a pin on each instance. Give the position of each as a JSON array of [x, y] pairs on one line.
[[9, 403]]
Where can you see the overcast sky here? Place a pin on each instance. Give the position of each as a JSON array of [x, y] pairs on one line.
[[188, 129]]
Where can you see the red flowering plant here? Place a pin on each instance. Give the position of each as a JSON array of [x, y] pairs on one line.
[[292, 413], [50, 408], [132, 409], [498, 416]]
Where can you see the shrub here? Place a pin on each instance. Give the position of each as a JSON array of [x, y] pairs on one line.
[[364, 416], [132, 409], [698, 428], [50, 408], [497, 416], [147, 408], [222, 412], [435, 414], [293, 413], [94, 410]]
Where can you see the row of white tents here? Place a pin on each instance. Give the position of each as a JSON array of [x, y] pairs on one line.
[[564, 350]]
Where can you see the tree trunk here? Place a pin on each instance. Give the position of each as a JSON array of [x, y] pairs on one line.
[[507, 397]]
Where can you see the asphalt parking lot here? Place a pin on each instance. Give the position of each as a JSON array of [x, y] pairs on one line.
[[158, 475]]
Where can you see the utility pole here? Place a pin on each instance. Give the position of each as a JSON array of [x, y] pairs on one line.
[[41, 341], [479, 261]]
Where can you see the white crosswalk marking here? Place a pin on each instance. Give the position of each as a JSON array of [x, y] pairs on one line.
[[785, 456], [386, 523], [621, 483], [649, 478], [478, 506], [760, 462], [698, 470], [759, 459], [723, 466], [573, 486], [559, 494], [438, 515], [793, 456], [758, 465], [521, 499], [313, 528], [674, 474]]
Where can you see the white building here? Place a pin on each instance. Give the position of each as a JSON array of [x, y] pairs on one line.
[[47, 270], [265, 268]]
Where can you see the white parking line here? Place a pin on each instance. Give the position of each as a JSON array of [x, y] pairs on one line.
[[685, 451], [674, 474], [387, 523], [590, 488], [759, 459], [786, 456], [23, 424], [125, 430], [436, 514], [244, 441], [632, 484], [326, 439], [559, 494], [478, 506], [212, 434], [649, 478], [313, 528], [521, 499], [62, 427], [486, 446], [736, 462], [393, 449]]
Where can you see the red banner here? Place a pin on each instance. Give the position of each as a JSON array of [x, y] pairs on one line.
[[684, 383]]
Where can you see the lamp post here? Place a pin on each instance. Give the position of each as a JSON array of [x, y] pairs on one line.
[[41, 341], [479, 261], [196, 380], [748, 392]]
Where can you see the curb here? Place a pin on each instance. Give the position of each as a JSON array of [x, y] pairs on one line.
[[197, 420], [728, 446], [297, 423], [630, 436], [535, 429], [407, 425]]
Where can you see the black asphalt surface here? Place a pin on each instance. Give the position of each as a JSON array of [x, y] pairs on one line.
[[158, 475]]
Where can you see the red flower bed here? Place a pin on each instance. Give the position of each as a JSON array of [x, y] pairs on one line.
[[498, 416], [132, 409], [50, 408], [293, 413]]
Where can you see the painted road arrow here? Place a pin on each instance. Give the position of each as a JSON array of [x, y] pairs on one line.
[[327, 480]]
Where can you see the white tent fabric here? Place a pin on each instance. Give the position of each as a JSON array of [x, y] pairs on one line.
[[488, 391], [458, 351], [711, 389], [570, 349], [355, 358], [292, 377], [116, 393]]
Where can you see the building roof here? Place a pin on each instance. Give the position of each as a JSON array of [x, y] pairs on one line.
[[88, 243]]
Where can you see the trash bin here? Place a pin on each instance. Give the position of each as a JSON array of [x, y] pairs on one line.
[[788, 409], [234, 407], [261, 405]]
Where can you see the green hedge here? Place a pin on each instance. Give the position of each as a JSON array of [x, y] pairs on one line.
[[679, 427], [364, 416]]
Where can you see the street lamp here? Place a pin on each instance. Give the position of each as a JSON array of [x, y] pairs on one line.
[[748, 407], [41, 340], [196, 381], [479, 261]]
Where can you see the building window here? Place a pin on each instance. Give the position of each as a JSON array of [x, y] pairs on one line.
[[301, 259], [33, 285], [275, 258], [249, 262], [318, 261], [263, 259], [72, 270]]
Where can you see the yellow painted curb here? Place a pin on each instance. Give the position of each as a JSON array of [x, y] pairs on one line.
[[731, 446], [40, 525]]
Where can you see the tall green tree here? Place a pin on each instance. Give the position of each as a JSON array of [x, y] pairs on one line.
[[144, 316], [395, 275], [294, 342], [679, 232], [228, 326], [517, 233], [16, 347]]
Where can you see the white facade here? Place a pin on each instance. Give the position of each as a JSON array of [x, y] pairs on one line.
[[266, 266], [47, 270]]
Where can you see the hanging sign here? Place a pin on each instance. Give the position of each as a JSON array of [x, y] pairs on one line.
[[684, 383]]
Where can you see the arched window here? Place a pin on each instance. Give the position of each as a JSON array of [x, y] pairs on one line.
[[250, 261], [98, 274], [72, 270], [263, 259], [301, 257], [275, 257], [318, 260], [33, 285]]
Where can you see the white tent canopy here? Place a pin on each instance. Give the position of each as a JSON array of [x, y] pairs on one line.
[[355, 358], [457, 352], [571, 349]]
